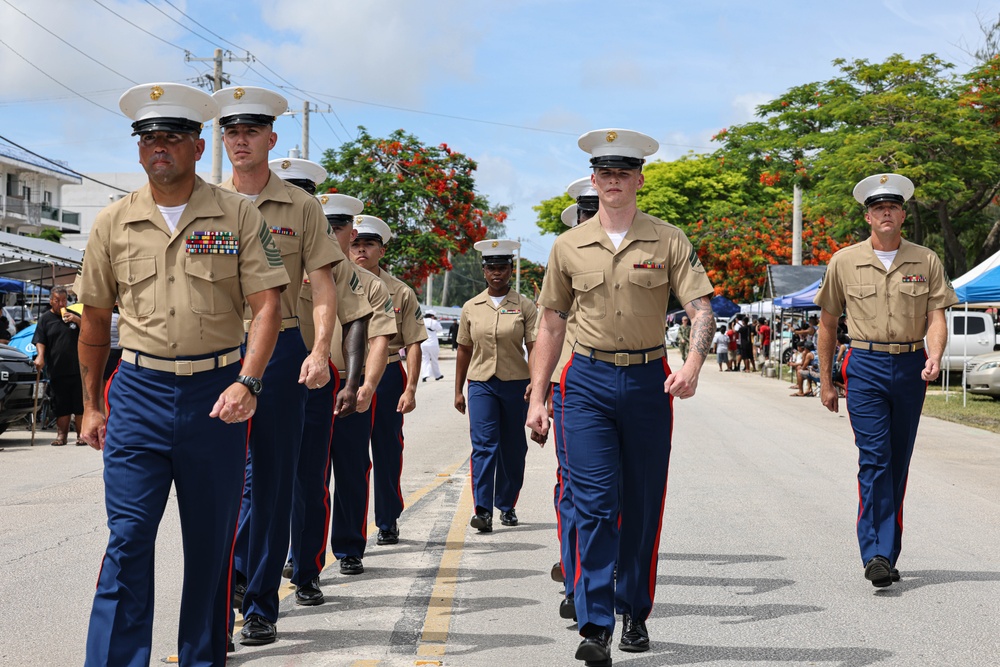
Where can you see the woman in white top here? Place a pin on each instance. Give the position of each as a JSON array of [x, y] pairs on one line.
[[429, 348]]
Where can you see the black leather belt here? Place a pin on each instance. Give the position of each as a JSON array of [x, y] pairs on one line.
[[626, 358], [891, 348]]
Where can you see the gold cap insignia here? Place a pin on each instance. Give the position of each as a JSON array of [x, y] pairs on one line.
[[611, 136], [884, 178], [324, 199], [495, 244], [358, 219], [285, 164], [238, 93], [155, 93]]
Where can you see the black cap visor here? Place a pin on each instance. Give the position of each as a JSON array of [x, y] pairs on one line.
[[616, 162], [246, 119], [369, 237], [884, 196], [338, 219], [588, 204], [165, 124], [303, 183], [498, 260]]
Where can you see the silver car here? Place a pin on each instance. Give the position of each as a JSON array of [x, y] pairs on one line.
[[983, 376]]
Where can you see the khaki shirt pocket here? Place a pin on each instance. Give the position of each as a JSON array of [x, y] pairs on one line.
[[136, 278], [648, 301], [211, 281], [287, 244], [862, 303], [914, 299], [590, 294]]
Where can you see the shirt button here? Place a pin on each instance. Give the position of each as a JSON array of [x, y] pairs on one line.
[[618, 260], [211, 274], [648, 283], [173, 345], [170, 278], [171, 311], [585, 286], [131, 278], [620, 339], [618, 312], [618, 285]]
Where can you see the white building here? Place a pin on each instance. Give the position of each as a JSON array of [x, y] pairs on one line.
[[30, 194]]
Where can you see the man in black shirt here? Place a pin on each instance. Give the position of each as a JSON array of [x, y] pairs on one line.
[[56, 337]]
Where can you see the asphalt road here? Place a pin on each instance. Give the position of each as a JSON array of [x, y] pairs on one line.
[[758, 563]]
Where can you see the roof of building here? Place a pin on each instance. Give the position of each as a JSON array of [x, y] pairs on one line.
[[59, 168]]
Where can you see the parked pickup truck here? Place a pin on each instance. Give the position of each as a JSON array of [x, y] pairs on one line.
[[969, 334]]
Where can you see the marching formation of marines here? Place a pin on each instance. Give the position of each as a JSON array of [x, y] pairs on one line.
[[267, 351]]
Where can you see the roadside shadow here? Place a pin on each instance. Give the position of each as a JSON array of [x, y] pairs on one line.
[[687, 654], [738, 613], [911, 580], [722, 559], [757, 585]]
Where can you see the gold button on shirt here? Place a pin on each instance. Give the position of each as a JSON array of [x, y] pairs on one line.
[[175, 302], [497, 335], [301, 237], [409, 320], [885, 306], [621, 295]]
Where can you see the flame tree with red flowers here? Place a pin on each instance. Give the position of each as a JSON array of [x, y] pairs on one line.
[[426, 194]]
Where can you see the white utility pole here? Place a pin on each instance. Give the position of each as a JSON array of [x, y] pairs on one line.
[[307, 108], [796, 225], [517, 258]]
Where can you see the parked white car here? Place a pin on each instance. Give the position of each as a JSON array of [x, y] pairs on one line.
[[983, 376]]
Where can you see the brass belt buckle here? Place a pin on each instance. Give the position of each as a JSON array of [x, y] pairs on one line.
[[894, 348], [621, 358], [183, 367]]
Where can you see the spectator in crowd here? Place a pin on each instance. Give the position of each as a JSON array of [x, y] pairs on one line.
[[808, 371], [684, 337], [764, 332], [843, 345], [4, 329], [115, 353], [453, 334], [746, 344], [734, 359], [429, 364], [721, 344], [56, 339], [807, 331], [795, 361]]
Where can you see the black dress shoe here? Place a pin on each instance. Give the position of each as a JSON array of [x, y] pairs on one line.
[[230, 646], [351, 565], [567, 608], [879, 572], [239, 590], [309, 595], [635, 637], [595, 650], [508, 518], [288, 570], [557, 574], [894, 574], [388, 536], [482, 521], [258, 631]]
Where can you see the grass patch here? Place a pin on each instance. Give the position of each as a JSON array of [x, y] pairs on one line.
[[979, 411]]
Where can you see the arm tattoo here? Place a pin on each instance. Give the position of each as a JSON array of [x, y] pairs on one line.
[[84, 372], [562, 314], [703, 326]]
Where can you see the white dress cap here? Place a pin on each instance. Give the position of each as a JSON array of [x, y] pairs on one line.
[[883, 187], [297, 169], [167, 107], [581, 187], [338, 204], [617, 149], [497, 251], [370, 227], [249, 105], [569, 215]]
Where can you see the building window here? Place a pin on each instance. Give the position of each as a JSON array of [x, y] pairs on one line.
[[13, 187]]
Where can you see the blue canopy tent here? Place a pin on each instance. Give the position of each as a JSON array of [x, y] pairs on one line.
[[983, 289], [723, 307], [22, 341], [801, 300]]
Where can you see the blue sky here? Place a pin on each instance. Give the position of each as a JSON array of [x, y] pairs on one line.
[[511, 84]]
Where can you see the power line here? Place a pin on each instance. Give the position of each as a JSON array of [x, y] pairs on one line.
[[148, 2], [141, 29], [62, 166], [85, 55], [83, 97], [190, 18]]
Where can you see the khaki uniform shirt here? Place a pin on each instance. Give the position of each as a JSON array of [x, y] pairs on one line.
[[351, 302], [497, 335], [569, 340], [885, 306], [409, 319], [298, 226], [621, 295], [176, 303]]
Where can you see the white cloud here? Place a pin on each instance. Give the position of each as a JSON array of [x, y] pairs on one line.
[[744, 106]]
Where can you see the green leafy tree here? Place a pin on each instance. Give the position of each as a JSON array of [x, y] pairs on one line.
[[909, 117], [426, 194], [550, 214]]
